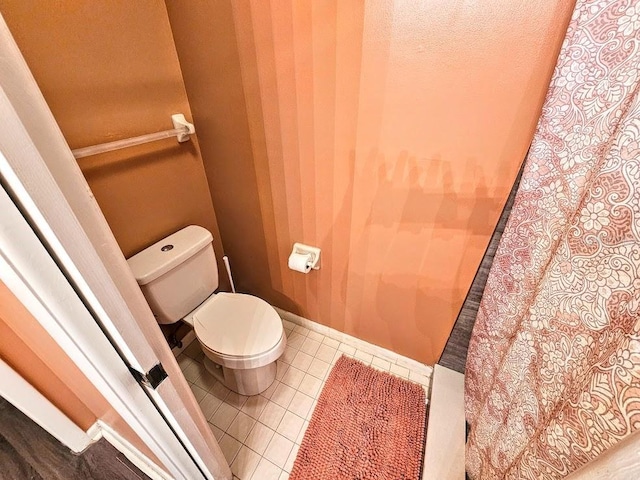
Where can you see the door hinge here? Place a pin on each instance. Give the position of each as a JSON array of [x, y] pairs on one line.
[[152, 378]]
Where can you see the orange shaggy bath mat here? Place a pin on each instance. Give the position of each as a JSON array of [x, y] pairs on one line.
[[367, 425]]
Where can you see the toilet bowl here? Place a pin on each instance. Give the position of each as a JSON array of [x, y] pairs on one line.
[[241, 335]]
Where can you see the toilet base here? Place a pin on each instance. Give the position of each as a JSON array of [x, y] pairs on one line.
[[249, 381]]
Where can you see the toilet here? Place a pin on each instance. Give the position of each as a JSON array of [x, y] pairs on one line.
[[241, 335]]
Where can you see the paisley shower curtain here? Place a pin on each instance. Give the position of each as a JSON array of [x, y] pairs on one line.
[[553, 370]]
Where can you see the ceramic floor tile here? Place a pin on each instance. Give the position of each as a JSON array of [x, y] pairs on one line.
[[301, 404], [302, 432], [254, 406], [310, 347], [278, 450], [235, 400], [418, 378], [224, 416], [290, 426], [400, 371], [266, 471], [198, 392], [337, 357], [318, 368], [177, 351], [313, 407], [317, 336], [301, 330], [289, 354], [310, 385], [193, 371], [364, 357], [381, 363], [245, 463], [272, 415], [302, 361], [283, 395], [332, 342], [193, 350], [292, 458], [205, 380], [219, 391], [268, 393], [293, 377], [259, 438], [209, 404], [281, 369], [216, 432], [183, 361], [241, 426], [348, 349], [274, 423], [230, 448], [326, 353], [296, 340]]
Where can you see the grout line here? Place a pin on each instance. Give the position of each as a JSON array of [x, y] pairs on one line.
[[357, 343], [332, 363], [323, 378], [355, 346]]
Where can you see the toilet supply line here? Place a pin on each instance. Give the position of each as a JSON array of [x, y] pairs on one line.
[[225, 259]]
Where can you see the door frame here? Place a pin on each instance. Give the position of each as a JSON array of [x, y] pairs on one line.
[[80, 288], [32, 275]]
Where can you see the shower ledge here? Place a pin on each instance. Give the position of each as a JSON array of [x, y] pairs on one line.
[[444, 450]]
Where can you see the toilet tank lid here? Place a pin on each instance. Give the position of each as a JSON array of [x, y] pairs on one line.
[[168, 253]]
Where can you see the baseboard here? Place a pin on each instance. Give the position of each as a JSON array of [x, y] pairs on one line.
[[419, 369], [95, 432], [101, 430]]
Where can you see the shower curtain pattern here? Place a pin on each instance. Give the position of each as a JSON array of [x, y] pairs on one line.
[[553, 370]]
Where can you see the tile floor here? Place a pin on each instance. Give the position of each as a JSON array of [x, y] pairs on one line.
[[260, 435]]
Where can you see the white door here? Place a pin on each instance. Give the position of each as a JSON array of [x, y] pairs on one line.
[[70, 235]]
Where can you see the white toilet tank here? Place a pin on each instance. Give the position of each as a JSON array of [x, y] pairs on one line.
[[177, 273]]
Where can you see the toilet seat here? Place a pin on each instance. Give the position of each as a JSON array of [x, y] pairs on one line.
[[239, 330]]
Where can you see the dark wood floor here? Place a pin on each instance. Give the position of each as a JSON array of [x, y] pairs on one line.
[[454, 355], [29, 452]]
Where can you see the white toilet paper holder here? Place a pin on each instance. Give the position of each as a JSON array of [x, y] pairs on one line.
[[303, 249]]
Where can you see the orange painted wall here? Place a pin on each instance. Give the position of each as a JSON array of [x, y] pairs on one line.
[[387, 133], [108, 71]]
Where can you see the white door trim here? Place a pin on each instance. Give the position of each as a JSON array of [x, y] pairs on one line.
[[21, 394], [34, 278]]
